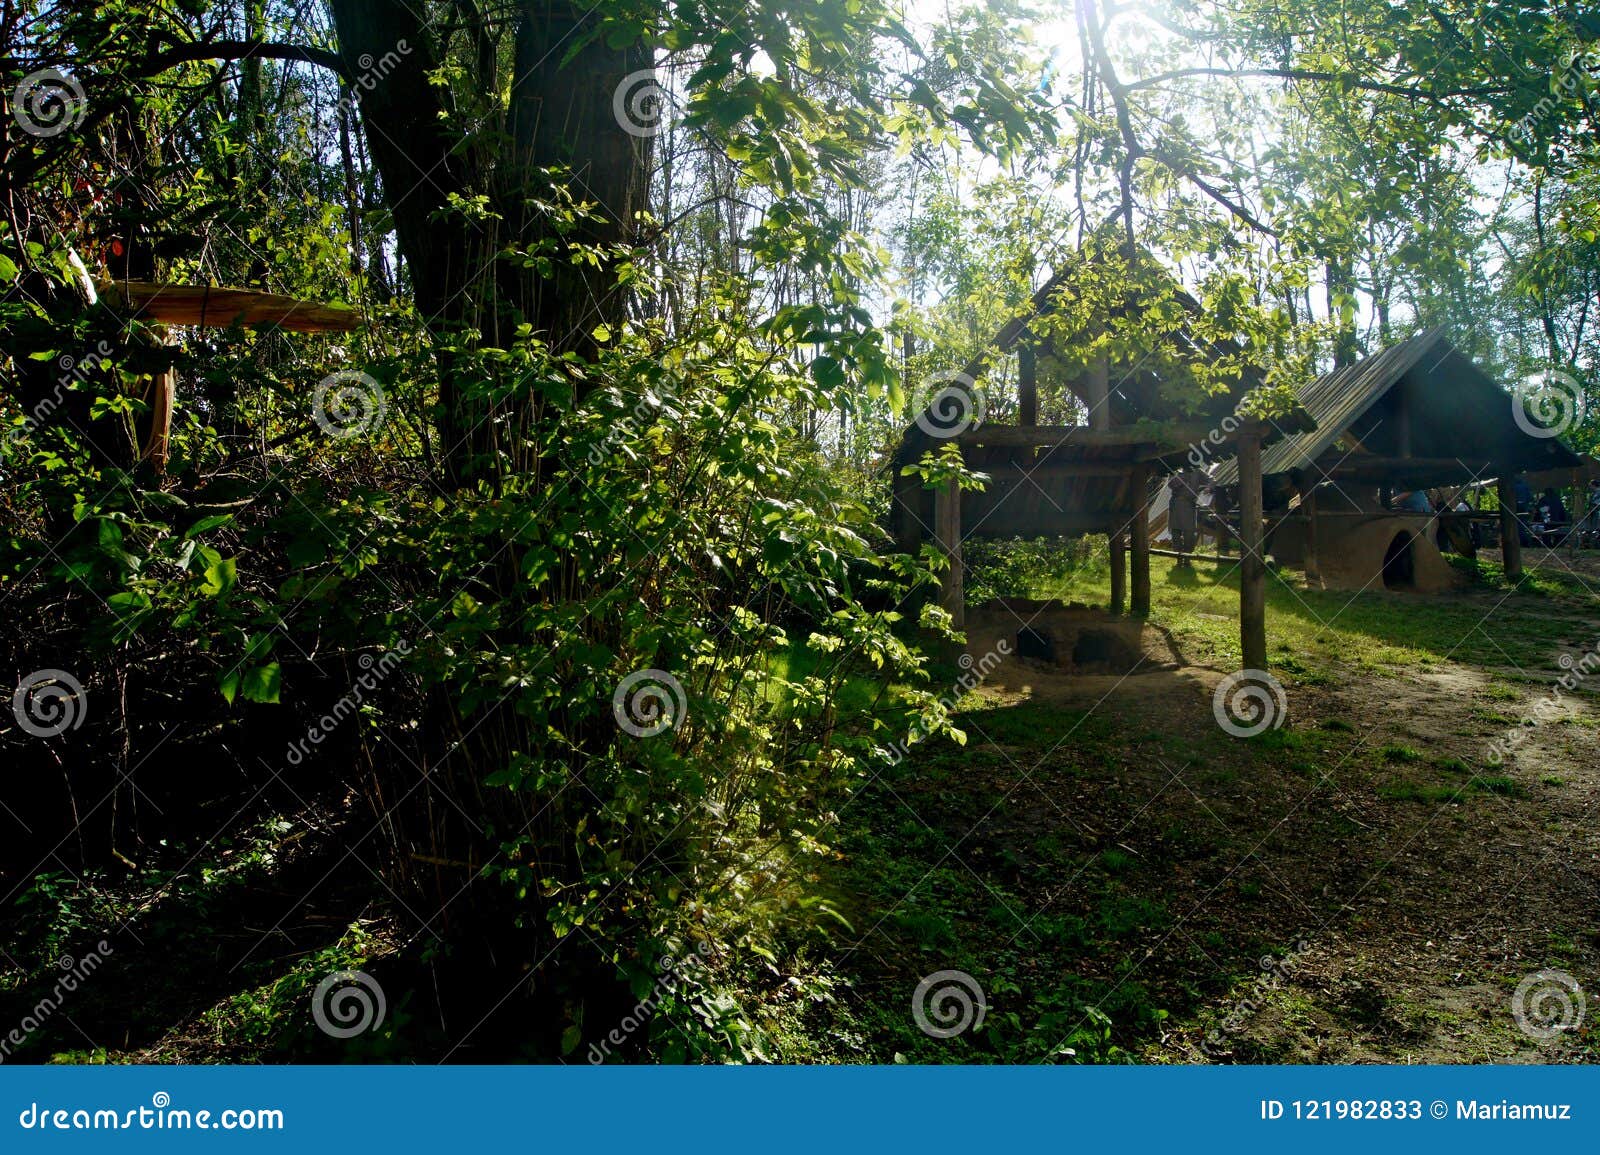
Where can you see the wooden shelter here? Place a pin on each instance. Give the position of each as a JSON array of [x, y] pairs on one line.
[[208, 307], [1066, 480], [1417, 416]]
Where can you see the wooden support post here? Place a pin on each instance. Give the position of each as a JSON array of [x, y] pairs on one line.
[[1027, 384], [947, 529], [1510, 538], [1253, 567], [1308, 502], [1100, 395], [160, 393], [1119, 573], [1140, 534], [1575, 535]]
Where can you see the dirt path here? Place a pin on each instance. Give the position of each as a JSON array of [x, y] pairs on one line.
[[1405, 882]]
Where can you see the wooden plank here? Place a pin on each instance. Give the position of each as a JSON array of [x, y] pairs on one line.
[[1027, 384], [1253, 568], [1119, 572], [219, 308], [1510, 540], [1167, 436], [1099, 398], [1313, 569], [159, 395], [1139, 531]]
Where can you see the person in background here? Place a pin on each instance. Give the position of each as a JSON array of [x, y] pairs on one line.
[[1551, 511], [1591, 518], [1184, 489], [1415, 501], [1523, 494]]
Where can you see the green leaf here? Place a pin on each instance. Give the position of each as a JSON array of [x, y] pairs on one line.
[[262, 683], [221, 576]]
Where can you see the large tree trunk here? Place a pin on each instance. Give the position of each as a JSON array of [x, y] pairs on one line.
[[558, 129], [560, 117]]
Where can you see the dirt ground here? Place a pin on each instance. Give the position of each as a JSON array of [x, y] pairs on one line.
[[1408, 881]]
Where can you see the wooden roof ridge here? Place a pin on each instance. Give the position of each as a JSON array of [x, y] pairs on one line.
[[220, 307], [1336, 401]]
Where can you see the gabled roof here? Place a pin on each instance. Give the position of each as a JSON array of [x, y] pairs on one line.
[[1458, 421]]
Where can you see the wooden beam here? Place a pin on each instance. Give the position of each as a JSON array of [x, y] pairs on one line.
[[1253, 567], [1119, 572], [1313, 568], [220, 308], [947, 531], [1140, 534], [1162, 438], [1510, 538], [1575, 538], [1099, 395], [1027, 384], [153, 427], [159, 395]]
